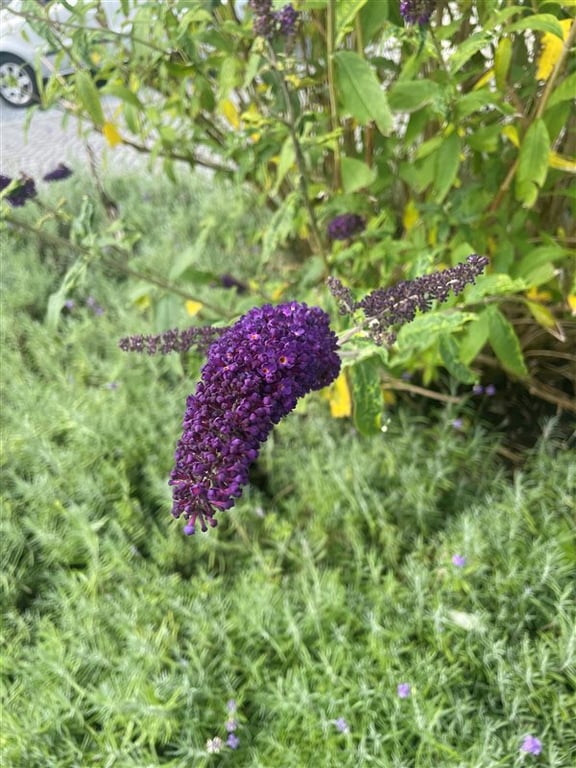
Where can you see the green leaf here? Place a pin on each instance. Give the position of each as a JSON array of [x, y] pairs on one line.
[[424, 330], [539, 22], [89, 97], [475, 337], [356, 174], [505, 343], [536, 267], [493, 285], [542, 315], [564, 91], [532, 163], [410, 96], [467, 49], [502, 60], [346, 18], [450, 354], [367, 398], [447, 164], [360, 92]]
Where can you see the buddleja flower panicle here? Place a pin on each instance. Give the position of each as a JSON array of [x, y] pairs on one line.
[[417, 11], [345, 226], [174, 340], [254, 375], [386, 309]]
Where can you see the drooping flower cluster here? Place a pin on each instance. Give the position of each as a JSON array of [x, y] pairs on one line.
[[17, 197], [254, 375], [417, 11], [268, 23], [345, 226], [387, 308], [25, 188], [173, 340]]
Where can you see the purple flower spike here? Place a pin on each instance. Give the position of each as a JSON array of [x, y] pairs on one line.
[[263, 24], [531, 745], [60, 172], [287, 19], [417, 11], [254, 375], [403, 690], [345, 226]]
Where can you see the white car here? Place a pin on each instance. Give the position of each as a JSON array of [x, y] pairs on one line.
[[26, 55]]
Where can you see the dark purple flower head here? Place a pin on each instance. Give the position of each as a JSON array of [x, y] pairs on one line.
[[345, 226], [25, 190], [417, 11], [229, 281], [255, 373], [60, 172], [287, 20], [386, 308]]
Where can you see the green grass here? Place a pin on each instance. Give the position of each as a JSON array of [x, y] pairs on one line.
[[329, 584]]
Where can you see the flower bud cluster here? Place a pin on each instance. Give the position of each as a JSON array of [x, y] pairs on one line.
[[386, 308], [267, 23], [254, 375], [173, 340], [26, 186], [417, 11]]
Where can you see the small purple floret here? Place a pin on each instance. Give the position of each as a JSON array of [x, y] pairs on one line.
[[531, 745], [255, 373]]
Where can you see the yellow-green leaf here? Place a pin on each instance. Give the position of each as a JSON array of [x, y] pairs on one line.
[[532, 163], [505, 343]]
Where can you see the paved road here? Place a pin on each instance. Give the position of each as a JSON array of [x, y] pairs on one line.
[[46, 142]]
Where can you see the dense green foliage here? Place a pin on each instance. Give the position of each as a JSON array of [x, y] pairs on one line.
[[448, 139], [328, 585]]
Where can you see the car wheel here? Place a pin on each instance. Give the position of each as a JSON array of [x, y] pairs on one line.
[[18, 85]]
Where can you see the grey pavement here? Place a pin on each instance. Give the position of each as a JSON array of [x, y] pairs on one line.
[[39, 147]]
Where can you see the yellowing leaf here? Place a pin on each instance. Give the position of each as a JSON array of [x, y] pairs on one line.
[[433, 236], [411, 215], [572, 303], [535, 295], [111, 134], [486, 77], [551, 48], [561, 163], [511, 133], [339, 398], [389, 397], [230, 113], [193, 307], [143, 302]]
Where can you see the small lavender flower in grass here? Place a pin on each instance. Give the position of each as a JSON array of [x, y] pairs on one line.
[[173, 340], [490, 390], [459, 561], [403, 690], [58, 174], [341, 725], [345, 226], [255, 373], [531, 745], [417, 11], [233, 741], [386, 308]]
